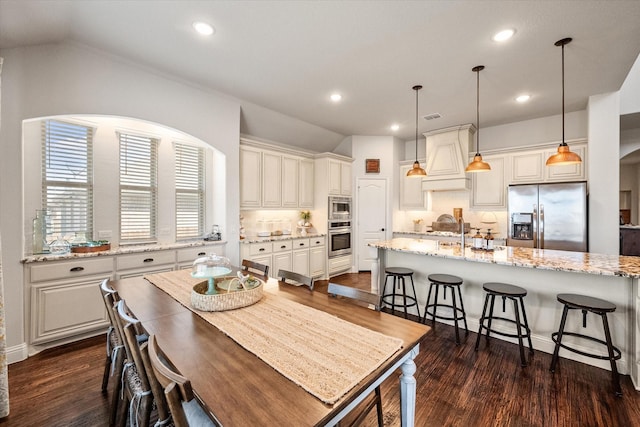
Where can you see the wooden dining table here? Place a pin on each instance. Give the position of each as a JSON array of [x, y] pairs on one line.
[[238, 388]]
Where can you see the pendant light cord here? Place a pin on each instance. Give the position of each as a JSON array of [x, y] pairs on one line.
[[417, 89], [478, 111], [563, 94]]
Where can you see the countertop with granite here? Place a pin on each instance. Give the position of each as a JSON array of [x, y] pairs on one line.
[[122, 250], [544, 259], [256, 239]]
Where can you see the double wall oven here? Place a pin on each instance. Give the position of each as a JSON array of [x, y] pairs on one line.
[[339, 227]]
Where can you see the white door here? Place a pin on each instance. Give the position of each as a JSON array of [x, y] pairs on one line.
[[372, 218]]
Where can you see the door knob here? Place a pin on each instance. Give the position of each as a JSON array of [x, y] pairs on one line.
[[382, 229]]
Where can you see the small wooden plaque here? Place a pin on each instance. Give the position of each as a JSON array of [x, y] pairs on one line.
[[372, 166]]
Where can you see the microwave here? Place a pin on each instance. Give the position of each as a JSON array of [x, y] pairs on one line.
[[339, 208]]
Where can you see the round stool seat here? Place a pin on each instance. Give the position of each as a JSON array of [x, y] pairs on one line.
[[504, 289], [584, 302], [445, 279], [398, 271]]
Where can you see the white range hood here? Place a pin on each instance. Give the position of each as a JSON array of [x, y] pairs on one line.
[[447, 158]]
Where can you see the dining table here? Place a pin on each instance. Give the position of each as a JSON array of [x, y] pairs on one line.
[[238, 388]]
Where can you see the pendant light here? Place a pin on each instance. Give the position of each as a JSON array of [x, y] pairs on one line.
[[416, 171], [564, 156], [478, 165]]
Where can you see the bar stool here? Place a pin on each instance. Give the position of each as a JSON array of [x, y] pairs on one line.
[[515, 294], [599, 307], [398, 274], [448, 282]]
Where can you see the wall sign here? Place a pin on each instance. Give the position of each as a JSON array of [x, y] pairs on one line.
[[372, 166]]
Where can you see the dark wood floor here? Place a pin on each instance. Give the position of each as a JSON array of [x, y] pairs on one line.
[[456, 386]]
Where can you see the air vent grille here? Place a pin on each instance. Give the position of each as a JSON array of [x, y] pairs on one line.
[[432, 116]]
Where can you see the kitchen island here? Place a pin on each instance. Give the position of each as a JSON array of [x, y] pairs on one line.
[[544, 274]]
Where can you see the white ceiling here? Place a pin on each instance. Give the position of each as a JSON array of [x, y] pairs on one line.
[[289, 56]]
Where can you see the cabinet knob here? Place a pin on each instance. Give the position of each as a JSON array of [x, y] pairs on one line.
[[301, 244], [148, 260], [261, 250], [283, 247], [201, 253], [317, 242], [76, 269]]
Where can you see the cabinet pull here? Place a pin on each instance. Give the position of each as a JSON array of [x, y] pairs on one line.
[[301, 244], [148, 260], [201, 254], [261, 250], [283, 247], [76, 269], [317, 242]]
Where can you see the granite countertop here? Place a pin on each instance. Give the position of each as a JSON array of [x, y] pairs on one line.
[[121, 250], [544, 259], [256, 239]]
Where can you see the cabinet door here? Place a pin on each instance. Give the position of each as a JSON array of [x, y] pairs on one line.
[[250, 178], [305, 183], [271, 180], [317, 256], [345, 179], [527, 167], [488, 189], [290, 181], [411, 195], [567, 172], [281, 261], [301, 261], [335, 186]]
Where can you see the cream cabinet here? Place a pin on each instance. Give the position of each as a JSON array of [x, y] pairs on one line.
[[281, 256], [305, 183], [489, 189], [300, 256], [411, 195], [250, 177], [527, 167], [317, 256], [530, 166], [289, 254], [271, 180], [568, 172], [139, 264], [64, 299], [339, 178], [290, 181]]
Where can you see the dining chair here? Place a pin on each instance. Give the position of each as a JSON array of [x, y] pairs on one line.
[[375, 399], [184, 407], [115, 349], [295, 278], [255, 267], [136, 391]]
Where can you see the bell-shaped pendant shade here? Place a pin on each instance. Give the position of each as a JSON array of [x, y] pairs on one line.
[[564, 156], [416, 171], [478, 165]]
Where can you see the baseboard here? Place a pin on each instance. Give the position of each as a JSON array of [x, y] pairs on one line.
[[17, 353]]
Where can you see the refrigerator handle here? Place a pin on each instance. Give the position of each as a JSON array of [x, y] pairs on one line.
[[541, 226], [534, 226]]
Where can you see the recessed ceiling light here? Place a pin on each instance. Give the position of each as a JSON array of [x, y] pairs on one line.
[[395, 127], [523, 98], [336, 97], [203, 28], [503, 35]]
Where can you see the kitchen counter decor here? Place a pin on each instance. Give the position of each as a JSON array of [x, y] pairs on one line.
[[99, 246], [232, 293]]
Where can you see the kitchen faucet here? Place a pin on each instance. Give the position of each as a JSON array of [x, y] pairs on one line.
[[461, 221]]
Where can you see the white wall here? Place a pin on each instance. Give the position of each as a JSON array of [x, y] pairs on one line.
[[603, 170], [69, 79], [630, 90]]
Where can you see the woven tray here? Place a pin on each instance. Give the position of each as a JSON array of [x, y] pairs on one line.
[[225, 299]]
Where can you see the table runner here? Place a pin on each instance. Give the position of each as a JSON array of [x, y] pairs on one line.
[[325, 355]]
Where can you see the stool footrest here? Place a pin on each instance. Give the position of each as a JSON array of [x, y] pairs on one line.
[[411, 301], [617, 354], [432, 313], [524, 327]]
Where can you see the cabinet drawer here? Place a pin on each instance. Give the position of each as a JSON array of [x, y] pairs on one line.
[[316, 241], [300, 244], [284, 245], [70, 269], [145, 259], [260, 248], [190, 254]]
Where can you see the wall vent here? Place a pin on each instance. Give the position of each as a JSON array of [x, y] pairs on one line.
[[432, 116]]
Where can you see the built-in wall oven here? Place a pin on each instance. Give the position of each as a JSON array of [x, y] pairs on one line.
[[339, 208], [339, 238]]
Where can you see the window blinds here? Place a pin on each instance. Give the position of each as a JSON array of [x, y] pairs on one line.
[[189, 173], [67, 174], [138, 188]]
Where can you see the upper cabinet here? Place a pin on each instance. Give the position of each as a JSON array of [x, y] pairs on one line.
[[447, 158], [335, 171], [411, 195], [489, 189], [270, 178], [530, 166]]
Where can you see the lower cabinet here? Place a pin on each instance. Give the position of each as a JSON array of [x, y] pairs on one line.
[[301, 255], [144, 263], [317, 257]]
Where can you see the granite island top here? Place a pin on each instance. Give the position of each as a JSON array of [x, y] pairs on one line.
[[122, 250], [256, 239], [544, 259]]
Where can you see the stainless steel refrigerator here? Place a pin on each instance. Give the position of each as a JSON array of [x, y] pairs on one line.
[[548, 216]]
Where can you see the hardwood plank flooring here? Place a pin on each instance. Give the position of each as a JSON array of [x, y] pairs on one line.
[[456, 386]]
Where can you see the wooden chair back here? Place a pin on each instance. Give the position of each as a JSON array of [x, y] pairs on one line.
[[335, 289], [110, 297], [255, 268], [295, 278], [177, 389]]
